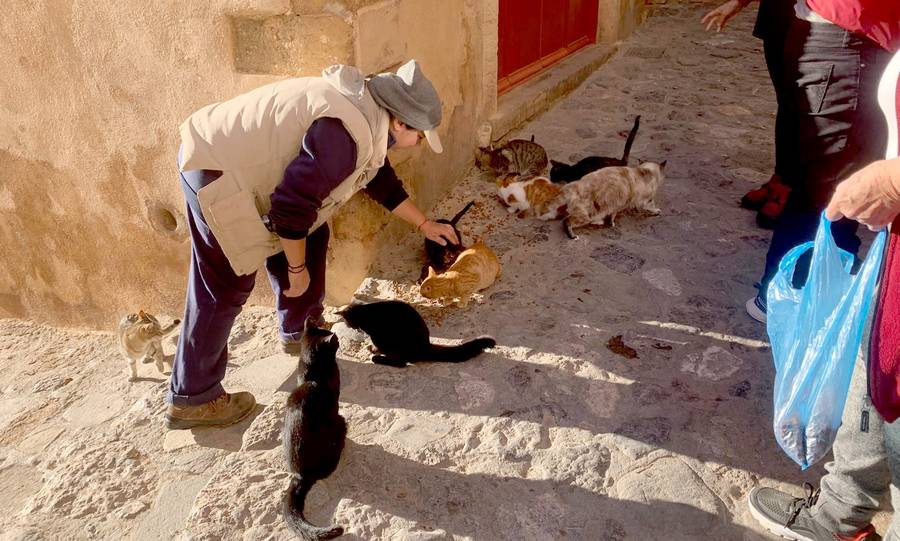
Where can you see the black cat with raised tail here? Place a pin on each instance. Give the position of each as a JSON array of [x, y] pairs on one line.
[[314, 432], [441, 257], [563, 172], [401, 336]]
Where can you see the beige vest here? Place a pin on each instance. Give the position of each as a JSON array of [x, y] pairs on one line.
[[253, 137]]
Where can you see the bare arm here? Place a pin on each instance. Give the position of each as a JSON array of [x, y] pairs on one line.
[[719, 17], [871, 196], [439, 233]]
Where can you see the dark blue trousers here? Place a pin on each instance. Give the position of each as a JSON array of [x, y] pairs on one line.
[[829, 111], [216, 295]]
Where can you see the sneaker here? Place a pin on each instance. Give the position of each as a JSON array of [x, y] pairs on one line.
[[225, 410], [790, 517], [756, 308]]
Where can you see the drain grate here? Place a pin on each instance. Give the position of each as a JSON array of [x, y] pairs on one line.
[[646, 52]]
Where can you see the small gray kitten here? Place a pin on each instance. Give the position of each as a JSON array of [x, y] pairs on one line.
[[140, 339]]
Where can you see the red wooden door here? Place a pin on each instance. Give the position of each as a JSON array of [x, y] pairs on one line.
[[535, 34]]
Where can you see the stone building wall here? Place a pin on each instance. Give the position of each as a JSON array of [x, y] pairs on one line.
[[91, 213]]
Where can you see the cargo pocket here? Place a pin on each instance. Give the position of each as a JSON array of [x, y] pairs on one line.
[[244, 239], [825, 105], [813, 88]]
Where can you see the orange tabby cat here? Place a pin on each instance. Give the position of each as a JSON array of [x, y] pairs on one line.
[[475, 269]]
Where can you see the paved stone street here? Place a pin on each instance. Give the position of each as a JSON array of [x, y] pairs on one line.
[[555, 434]]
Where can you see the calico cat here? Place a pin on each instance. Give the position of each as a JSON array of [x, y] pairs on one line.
[[562, 172], [475, 269], [140, 339], [529, 197], [401, 336], [516, 156], [314, 432], [601, 196], [441, 257]]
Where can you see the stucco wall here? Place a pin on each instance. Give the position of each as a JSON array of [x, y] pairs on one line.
[[90, 98], [91, 95]]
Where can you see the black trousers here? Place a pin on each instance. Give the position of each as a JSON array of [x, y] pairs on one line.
[[833, 128]]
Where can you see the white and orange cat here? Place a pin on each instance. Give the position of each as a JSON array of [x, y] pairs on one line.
[[530, 196], [475, 269], [599, 197]]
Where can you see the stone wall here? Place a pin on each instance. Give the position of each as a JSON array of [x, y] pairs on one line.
[[91, 214]]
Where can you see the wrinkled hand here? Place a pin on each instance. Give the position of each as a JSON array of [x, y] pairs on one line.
[[720, 16], [299, 283], [439, 233], [871, 196]]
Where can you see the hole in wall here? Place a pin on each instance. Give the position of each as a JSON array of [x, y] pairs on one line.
[[166, 220]]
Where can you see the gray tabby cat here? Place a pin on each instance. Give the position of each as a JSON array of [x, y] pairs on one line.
[[517, 156], [140, 339]]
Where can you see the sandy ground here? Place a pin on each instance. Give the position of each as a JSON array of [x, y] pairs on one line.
[[552, 435]]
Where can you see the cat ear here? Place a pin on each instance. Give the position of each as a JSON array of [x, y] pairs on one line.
[[142, 314], [662, 165], [333, 340], [431, 273]]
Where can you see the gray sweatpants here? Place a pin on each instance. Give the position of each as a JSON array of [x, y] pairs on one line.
[[866, 466]]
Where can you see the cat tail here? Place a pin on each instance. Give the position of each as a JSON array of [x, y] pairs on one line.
[[630, 140], [292, 508], [460, 213], [460, 353], [171, 327]]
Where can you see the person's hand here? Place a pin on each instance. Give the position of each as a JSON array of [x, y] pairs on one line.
[[439, 233], [299, 283], [871, 196], [720, 16]]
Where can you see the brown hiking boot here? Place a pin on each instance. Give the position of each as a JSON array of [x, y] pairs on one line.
[[225, 410]]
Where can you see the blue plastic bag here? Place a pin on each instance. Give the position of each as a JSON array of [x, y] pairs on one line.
[[816, 334]]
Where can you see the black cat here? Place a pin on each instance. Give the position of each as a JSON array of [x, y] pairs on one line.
[[441, 257], [314, 432], [401, 335], [562, 172]]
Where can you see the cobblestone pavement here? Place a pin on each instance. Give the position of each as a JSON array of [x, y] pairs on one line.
[[629, 397]]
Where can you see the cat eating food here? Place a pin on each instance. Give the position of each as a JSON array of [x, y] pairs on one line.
[[475, 269], [400, 335], [529, 197], [441, 257], [140, 339], [517, 156], [601, 196], [562, 172], [314, 432]]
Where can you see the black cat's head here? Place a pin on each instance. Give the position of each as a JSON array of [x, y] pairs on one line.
[[318, 343]]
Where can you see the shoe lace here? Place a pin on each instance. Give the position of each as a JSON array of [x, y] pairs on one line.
[[799, 504], [219, 402]]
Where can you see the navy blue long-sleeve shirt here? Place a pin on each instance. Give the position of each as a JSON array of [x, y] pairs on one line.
[[327, 157]]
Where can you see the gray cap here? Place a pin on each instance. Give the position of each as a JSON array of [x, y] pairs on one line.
[[412, 99]]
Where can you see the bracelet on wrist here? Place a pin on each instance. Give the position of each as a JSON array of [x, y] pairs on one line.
[[296, 269], [419, 227]]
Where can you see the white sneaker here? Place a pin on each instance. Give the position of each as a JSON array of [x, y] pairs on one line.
[[756, 308]]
